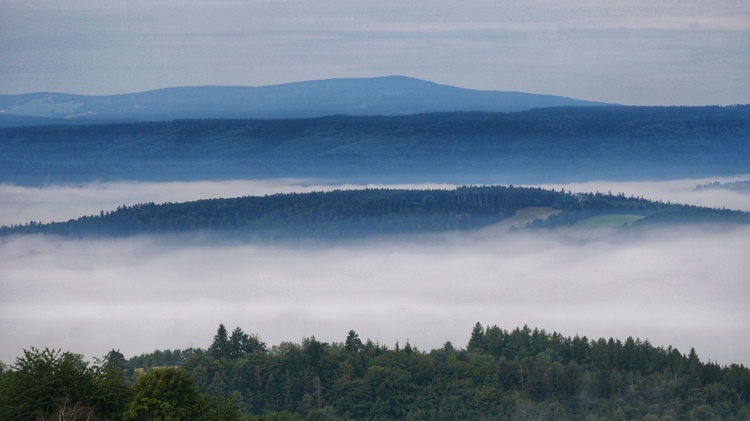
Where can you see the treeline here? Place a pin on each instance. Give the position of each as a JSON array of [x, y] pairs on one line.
[[343, 214], [500, 374], [741, 186], [55, 385], [541, 145], [519, 374]]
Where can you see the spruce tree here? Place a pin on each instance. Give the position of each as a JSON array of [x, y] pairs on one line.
[[477, 341], [220, 347]]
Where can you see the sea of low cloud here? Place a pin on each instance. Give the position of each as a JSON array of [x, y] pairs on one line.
[[685, 287]]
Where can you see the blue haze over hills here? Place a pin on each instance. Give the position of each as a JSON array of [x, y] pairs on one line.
[[386, 129], [390, 95], [541, 145]]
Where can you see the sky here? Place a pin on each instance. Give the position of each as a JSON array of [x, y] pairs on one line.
[[681, 287], [636, 52]]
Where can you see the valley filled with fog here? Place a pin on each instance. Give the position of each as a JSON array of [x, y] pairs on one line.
[[680, 286]]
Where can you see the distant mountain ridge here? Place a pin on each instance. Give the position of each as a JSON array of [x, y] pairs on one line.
[[388, 95], [529, 147]]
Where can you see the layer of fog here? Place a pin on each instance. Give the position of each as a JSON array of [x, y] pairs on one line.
[[683, 287]]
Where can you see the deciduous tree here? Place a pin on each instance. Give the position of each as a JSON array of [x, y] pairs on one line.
[[166, 394]]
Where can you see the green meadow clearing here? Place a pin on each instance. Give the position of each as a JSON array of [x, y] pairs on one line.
[[608, 221]]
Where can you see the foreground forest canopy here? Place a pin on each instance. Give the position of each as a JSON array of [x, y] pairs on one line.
[[522, 374], [530, 147], [344, 214]]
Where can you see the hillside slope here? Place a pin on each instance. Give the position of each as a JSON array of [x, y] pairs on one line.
[[551, 144], [346, 214]]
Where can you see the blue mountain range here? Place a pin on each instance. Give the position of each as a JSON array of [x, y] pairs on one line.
[[390, 95]]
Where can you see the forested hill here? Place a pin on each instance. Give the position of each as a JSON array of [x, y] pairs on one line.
[[541, 145], [345, 214]]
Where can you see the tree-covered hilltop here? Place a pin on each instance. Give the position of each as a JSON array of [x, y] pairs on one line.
[[540, 145], [345, 214], [519, 374]]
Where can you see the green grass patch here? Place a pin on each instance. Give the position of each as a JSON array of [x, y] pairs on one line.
[[608, 221]]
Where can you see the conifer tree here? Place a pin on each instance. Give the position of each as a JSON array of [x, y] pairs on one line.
[[238, 343], [477, 341], [220, 347]]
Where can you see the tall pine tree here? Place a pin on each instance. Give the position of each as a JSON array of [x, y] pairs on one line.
[[220, 347]]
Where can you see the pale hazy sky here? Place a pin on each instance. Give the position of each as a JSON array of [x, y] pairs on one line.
[[639, 52]]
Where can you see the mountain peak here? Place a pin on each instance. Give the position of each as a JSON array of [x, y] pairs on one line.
[[384, 95]]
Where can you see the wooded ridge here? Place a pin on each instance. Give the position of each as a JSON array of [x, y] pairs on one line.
[[347, 214], [541, 145]]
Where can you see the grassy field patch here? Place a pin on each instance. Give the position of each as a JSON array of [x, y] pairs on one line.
[[608, 221]]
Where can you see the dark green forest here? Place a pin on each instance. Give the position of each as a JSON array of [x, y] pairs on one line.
[[349, 214], [530, 147], [521, 374]]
